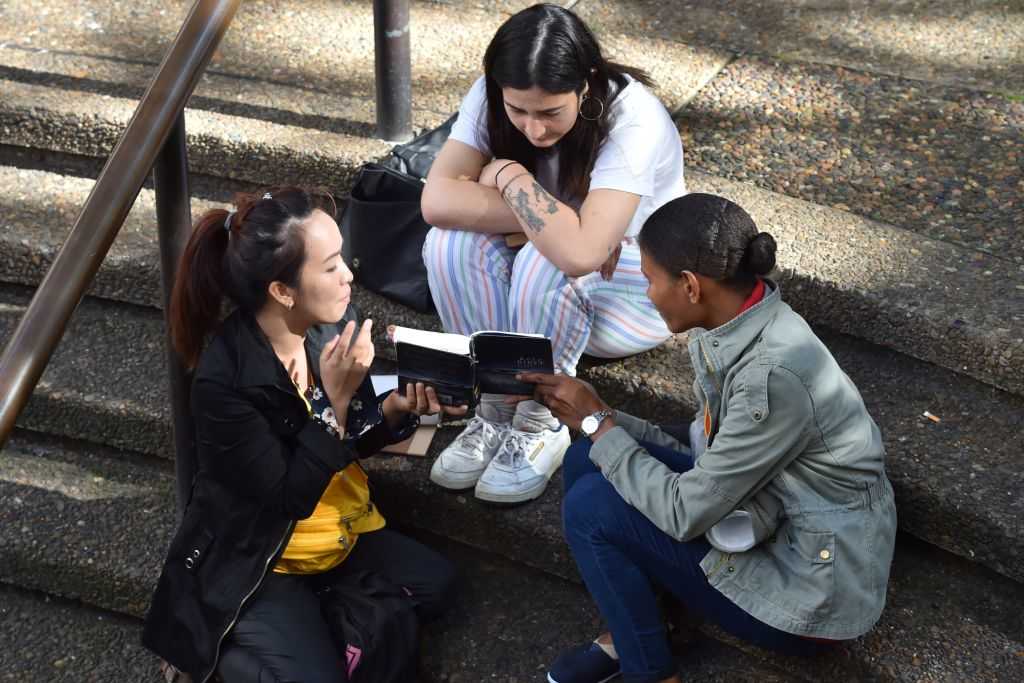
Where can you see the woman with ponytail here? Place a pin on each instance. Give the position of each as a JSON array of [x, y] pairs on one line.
[[770, 516], [280, 510], [570, 151]]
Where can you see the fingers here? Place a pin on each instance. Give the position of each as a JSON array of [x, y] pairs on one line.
[[538, 378], [330, 349], [517, 398], [433, 405], [456, 411], [345, 339]]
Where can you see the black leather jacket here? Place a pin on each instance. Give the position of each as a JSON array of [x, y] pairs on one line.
[[262, 465]]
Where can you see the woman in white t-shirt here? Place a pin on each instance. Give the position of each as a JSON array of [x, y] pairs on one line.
[[558, 144]]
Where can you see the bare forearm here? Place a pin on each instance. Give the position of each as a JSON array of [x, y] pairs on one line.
[[467, 205], [553, 227]]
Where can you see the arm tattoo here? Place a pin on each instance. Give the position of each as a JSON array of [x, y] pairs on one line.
[[521, 205], [540, 195], [527, 211]]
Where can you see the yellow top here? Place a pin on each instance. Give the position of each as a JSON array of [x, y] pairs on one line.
[[324, 539]]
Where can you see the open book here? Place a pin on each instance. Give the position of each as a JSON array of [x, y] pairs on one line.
[[461, 368]]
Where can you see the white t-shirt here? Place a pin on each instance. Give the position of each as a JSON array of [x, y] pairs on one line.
[[642, 154]]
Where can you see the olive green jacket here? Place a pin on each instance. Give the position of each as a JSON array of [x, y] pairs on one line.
[[792, 444]]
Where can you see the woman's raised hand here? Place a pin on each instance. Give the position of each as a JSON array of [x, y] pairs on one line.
[[344, 363]]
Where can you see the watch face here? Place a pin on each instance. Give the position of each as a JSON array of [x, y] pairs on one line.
[[589, 425]]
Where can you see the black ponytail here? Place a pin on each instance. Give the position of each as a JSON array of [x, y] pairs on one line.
[[236, 256]]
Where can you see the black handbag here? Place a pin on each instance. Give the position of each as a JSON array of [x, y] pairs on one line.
[[382, 226]]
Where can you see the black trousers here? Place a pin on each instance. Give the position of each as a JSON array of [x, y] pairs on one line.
[[280, 637]]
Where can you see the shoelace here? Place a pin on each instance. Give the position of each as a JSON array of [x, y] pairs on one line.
[[514, 448], [477, 434]]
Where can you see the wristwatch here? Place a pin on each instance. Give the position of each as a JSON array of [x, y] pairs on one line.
[[591, 423]]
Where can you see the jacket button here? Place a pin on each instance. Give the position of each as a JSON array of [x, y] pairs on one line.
[[195, 553], [757, 414], [731, 569], [189, 563], [288, 423], [824, 554], [714, 342]]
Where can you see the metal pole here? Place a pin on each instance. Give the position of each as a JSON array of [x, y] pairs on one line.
[[174, 224], [41, 328], [393, 69]]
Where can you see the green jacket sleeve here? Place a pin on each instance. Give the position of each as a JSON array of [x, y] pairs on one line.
[[765, 427]]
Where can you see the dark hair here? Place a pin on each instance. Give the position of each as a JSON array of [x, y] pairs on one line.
[[710, 236], [237, 255], [549, 47]]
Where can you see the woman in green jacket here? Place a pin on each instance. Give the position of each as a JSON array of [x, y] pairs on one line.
[[773, 517]]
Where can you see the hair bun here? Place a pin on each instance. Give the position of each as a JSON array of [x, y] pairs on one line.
[[759, 257]]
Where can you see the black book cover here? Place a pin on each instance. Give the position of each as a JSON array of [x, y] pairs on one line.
[[461, 368]]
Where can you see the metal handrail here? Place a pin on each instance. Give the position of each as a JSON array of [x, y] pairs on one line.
[[159, 114]]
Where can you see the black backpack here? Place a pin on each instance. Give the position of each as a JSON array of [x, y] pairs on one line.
[[374, 624]]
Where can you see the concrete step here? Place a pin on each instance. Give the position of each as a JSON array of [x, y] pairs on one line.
[[94, 525], [958, 483], [90, 524], [947, 304]]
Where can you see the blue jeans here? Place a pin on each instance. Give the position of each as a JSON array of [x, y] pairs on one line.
[[620, 553]]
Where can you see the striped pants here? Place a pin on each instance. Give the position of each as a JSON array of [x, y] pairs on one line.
[[479, 283]]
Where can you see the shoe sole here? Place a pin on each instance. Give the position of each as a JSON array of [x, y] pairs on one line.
[[523, 496], [603, 680], [444, 482]]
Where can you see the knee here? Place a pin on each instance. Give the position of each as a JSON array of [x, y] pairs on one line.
[[438, 591], [587, 502], [435, 248], [577, 462]]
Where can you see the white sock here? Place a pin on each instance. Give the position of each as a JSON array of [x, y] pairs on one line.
[[534, 417], [609, 649], [492, 407]]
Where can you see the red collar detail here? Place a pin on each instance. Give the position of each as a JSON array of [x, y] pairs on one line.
[[755, 296]]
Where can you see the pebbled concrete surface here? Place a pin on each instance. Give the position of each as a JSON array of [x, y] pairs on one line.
[[944, 162], [54, 639], [947, 619], [958, 484], [279, 60], [219, 145], [972, 43], [507, 621]]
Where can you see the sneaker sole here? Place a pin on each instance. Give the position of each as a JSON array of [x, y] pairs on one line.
[[603, 680], [445, 482]]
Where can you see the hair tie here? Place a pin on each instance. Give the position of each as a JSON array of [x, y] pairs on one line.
[[227, 221]]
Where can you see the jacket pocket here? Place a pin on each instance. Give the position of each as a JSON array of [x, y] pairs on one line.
[[811, 557]]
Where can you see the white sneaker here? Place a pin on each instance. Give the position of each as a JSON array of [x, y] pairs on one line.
[[524, 464], [464, 460]]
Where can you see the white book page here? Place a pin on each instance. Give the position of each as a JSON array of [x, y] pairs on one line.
[[506, 333], [451, 343]]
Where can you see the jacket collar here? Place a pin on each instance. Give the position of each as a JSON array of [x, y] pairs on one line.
[[713, 352], [258, 365]]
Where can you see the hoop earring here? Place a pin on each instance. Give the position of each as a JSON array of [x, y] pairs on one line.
[[584, 100]]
